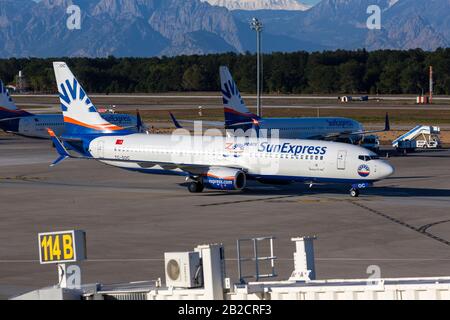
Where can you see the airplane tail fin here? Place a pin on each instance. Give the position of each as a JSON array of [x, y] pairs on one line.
[[235, 109], [8, 108], [387, 125], [80, 114], [175, 121]]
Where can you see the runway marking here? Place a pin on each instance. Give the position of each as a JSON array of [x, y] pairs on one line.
[[247, 200], [279, 199], [425, 227], [420, 230], [23, 178]]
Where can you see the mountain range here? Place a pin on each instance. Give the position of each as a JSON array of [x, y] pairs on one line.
[[175, 27], [260, 4]]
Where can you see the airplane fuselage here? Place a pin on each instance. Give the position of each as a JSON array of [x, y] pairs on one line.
[[35, 126], [312, 128], [261, 159]]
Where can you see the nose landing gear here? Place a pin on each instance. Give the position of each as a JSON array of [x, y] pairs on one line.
[[354, 193]]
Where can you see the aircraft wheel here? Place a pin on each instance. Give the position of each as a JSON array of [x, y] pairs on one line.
[[354, 193], [195, 187]]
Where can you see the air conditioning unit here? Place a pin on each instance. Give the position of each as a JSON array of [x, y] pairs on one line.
[[183, 269]]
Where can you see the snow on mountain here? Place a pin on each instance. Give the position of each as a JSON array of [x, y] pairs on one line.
[[260, 4], [392, 2]]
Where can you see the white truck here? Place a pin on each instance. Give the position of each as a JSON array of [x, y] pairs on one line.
[[431, 143]]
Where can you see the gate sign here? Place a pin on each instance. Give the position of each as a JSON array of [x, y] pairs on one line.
[[62, 246]]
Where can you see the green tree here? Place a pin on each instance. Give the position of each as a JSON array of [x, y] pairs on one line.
[[351, 75], [193, 78]]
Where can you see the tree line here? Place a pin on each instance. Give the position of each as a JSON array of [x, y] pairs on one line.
[[327, 72]]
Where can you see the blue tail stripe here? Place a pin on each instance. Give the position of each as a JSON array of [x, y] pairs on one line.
[[72, 89], [64, 94]]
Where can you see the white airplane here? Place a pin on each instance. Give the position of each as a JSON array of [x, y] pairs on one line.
[[214, 162], [238, 116], [21, 122]]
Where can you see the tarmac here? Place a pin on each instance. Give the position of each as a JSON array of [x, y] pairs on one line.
[[401, 225]]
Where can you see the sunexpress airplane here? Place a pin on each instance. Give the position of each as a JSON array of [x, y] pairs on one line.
[[238, 116], [21, 122], [212, 162]]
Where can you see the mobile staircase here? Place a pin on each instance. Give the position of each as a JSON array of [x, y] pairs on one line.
[[418, 137]]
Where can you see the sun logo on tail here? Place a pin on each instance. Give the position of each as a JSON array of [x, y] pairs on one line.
[[5, 92], [231, 93], [79, 110], [72, 92]]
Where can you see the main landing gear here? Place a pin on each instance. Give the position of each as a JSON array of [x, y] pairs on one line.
[[195, 187], [354, 193]]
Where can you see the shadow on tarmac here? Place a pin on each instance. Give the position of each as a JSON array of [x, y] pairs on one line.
[[254, 189]]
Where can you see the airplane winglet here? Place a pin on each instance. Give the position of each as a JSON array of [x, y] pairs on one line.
[[57, 161], [175, 121], [63, 154], [139, 124]]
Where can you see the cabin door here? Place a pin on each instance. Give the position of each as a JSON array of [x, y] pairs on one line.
[[342, 156]]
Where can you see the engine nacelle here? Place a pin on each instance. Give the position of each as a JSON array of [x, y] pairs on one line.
[[224, 179]]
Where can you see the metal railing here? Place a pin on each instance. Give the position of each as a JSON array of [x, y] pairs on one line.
[[256, 259]]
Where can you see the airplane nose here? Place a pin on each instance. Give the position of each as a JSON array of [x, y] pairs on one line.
[[388, 170]]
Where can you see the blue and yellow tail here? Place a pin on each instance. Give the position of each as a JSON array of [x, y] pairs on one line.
[[80, 115], [235, 111]]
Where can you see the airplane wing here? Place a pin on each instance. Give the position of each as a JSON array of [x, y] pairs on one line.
[[177, 124], [220, 124], [8, 119], [193, 169]]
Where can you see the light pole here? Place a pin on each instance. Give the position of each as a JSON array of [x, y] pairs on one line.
[[256, 25]]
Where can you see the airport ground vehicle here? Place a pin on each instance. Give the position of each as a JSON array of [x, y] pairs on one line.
[[406, 146], [214, 162], [371, 142], [420, 136], [431, 143]]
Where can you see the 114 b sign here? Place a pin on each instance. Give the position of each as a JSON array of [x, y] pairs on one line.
[[62, 246]]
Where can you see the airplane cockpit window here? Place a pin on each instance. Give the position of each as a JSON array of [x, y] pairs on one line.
[[368, 158]]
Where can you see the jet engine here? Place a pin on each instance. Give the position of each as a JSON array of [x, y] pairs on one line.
[[224, 179]]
